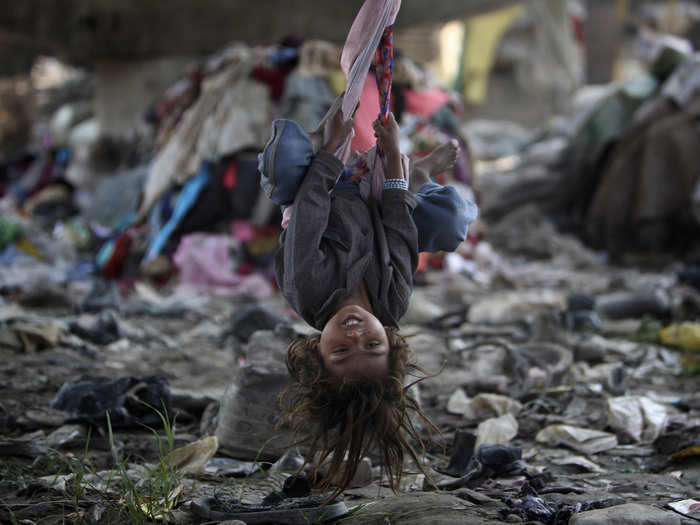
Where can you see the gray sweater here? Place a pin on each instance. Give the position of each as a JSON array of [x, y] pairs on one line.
[[332, 243]]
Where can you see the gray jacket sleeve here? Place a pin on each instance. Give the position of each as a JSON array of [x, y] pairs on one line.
[[302, 255], [402, 240]]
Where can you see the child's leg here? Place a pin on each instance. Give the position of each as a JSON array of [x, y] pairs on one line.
[[284, 160], [442, 216], [440, 159]]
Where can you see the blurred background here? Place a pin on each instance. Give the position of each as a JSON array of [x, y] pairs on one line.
[[136, 246], [93, 93]]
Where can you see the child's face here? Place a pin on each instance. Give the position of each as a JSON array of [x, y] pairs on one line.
[[354, 342]]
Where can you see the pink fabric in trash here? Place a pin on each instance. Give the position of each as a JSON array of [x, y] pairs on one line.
[[365, 116], [207, 263], [424, 103]]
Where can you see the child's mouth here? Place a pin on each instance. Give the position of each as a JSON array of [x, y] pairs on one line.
[[351, 320]]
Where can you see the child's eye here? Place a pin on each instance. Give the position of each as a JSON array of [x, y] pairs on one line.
[[373, 344], [339, 350]]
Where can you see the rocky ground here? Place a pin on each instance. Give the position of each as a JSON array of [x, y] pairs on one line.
[[557, 364]]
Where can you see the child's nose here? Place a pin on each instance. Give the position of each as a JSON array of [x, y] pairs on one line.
[[354, 332]]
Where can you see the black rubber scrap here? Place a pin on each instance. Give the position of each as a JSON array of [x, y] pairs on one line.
[[129, 400], [287, 511]]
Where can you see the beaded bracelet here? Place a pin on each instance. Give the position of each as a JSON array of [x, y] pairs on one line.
[[395, 184]]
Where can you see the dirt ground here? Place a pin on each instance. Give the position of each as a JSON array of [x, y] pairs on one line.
[[48, 464]]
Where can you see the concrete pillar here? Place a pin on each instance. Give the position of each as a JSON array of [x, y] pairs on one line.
[[603, 38], [124, 90]]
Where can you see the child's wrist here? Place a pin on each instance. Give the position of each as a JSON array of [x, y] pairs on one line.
[[393, 153], [395, 184]]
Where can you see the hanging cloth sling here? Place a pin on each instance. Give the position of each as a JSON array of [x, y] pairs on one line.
[[369, 42]]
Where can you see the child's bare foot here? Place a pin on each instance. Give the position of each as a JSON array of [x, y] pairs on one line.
[[440, 159]]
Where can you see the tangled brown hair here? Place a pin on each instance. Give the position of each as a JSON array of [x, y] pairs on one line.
[[343, 418]]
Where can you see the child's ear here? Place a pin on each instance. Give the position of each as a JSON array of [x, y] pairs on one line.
[[315, 348]]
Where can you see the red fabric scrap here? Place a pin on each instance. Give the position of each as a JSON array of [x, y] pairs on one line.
[[230, 179]]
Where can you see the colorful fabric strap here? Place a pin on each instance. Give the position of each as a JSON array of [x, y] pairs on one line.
[[383, 67], [370, 42], [357, 168]]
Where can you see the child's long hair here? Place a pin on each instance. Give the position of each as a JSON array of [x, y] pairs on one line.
[[344, 418]]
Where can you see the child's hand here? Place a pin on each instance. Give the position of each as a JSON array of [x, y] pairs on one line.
[[338, 132], [388, 135]]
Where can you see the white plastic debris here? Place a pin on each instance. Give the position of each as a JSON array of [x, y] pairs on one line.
[[582, 372], [458, 402], [192, 458], [482, 406], [503, 307], [687, 507], [637, 417], [584, 440], [497, 430], [581, 462]]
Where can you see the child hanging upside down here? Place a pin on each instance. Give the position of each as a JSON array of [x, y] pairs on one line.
[[345, 264]]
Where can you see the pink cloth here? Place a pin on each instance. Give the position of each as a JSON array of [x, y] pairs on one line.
[[208, 263], [424, 103], [365, 116], [366, 22]]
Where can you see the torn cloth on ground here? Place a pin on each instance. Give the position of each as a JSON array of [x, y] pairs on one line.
[[29, 335], [129, 401]]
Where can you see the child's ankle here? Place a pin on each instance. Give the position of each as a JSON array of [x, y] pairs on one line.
[[419, 177]]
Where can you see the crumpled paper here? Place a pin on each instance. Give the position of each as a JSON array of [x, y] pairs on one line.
[[482, 406], [584, 440], [637, 417], [497, 430]]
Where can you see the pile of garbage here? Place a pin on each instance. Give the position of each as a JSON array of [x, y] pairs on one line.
[[190, 204], [568, 392], [619, 172]]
